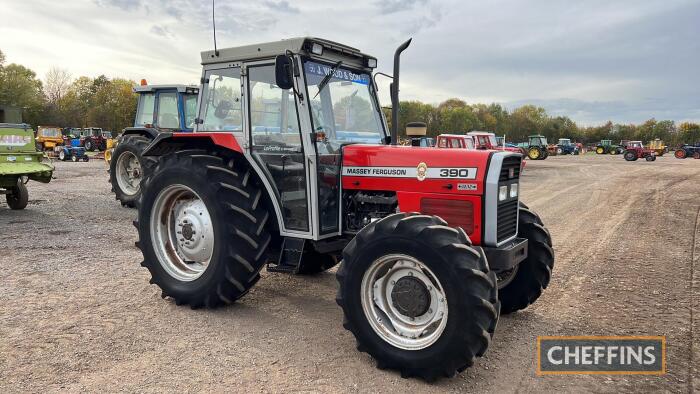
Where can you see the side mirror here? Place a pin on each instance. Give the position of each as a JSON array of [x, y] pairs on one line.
[[283, 72]]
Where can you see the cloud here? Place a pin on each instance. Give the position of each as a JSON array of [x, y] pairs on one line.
[[162, 31], [281, 6], [122, 4], [392, 6]]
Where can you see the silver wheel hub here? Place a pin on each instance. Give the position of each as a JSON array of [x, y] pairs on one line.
[[404, 302], [504, 278], [128, 173], [182, 232]]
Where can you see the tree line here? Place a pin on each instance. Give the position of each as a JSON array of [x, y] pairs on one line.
[[60, 100], [456, 116]]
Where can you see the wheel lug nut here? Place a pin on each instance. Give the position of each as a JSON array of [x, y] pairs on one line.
[[430, 311]]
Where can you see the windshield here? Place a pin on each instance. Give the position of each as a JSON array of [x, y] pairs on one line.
[[492, 140], [345, 109], [50, 132]]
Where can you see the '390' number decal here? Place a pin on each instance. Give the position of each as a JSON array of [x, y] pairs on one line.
[[455, 173]]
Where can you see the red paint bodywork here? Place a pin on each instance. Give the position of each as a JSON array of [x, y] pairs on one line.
[[410, 191], [227, 140]]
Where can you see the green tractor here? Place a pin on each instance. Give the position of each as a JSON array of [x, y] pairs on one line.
[[607, 147], [537, 147], [20, 162]]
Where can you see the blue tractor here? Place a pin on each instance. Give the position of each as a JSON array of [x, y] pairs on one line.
[[688, 150], [566, 147], [161, 108], [71, 150]]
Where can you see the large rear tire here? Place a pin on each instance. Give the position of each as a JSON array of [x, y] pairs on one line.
[[696, 155], [600, 150], [534, 153], [128, 167], [417, 296], [524, 285], [680, 154], [202, 228], [18, 196], [630, 156]]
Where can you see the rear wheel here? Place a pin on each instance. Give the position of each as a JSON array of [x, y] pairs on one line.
[[62, 155], [600, 150], [630, 156], [534, 153], [202, 229], [696, 155], [126, 168], [680, 154], [89, 145], [417, 296], [559, 151], [524, 284], [18, 196]]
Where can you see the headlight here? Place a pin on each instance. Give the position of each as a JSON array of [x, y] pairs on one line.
[[513, 190], [502, 193], [317, 49]]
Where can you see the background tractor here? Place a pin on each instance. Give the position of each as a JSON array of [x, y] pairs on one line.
[[20, 161], [565, 147], [434, 243], [170, 108], [657, 146], [459, 141], [688, 150], [47, 137], [607, 147], [94, 138], [635, 150], [537, 147]]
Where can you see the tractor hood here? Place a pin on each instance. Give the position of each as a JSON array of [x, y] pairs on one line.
[[18, 155], [407, 168]]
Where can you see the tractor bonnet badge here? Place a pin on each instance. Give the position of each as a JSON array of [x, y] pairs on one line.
[[421, 171]]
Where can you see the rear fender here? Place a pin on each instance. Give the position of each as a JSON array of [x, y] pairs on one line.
[[167, 143], [148, 132]]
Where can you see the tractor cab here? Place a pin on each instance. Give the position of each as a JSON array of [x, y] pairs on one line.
[[634, 144], [460, 141], [167, 107], [564, 142]]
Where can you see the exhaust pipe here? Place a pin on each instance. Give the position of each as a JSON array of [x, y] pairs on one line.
[[395, 93]]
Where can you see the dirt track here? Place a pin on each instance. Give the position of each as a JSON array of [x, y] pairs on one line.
[[77, 313]]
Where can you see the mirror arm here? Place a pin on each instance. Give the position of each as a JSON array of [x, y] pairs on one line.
[[295, 73], [374, 78]]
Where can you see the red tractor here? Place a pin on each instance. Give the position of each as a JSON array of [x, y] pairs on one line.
[[291, 165], [635, 150]]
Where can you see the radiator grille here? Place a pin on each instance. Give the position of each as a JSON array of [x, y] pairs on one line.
[[507, 210]]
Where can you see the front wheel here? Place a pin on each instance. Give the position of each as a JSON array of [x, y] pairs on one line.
[[18, 196], [62, 155], [523, 285], [74, 158], [417, 296], [202, 228]]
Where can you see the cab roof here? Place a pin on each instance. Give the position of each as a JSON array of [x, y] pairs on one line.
[[299, 45], [153, 88]]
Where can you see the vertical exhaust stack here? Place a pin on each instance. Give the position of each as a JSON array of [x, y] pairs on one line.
[[395, 93]]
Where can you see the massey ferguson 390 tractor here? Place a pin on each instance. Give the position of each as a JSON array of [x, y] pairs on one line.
[[434, 242]]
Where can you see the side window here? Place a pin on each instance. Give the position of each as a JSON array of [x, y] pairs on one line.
[[144, 114], [190, 102], [455, 143], [221, 101], [167, 111], [442, 143], [276, 143]]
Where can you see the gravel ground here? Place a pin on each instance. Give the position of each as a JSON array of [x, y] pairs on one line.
[[77, 312]]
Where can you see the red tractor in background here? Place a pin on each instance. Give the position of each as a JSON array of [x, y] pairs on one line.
[[635, 150], [459, 141], [291, 166]]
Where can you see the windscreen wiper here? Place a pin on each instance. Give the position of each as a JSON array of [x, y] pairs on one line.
[[327, 78]]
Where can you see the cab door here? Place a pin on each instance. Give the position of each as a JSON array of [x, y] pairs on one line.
[[277, 146]]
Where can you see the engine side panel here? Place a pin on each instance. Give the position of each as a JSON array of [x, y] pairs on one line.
[[412, 169]]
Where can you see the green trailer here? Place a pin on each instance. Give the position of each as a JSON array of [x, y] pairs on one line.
[[20, 162]]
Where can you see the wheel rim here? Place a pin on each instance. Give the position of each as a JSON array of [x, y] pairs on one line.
[[506, 277], [404, 302], [680, 154], [534, 153], [128, 173], [182, 233]]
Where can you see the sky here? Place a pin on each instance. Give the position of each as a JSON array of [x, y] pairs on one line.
[[625, 61]]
